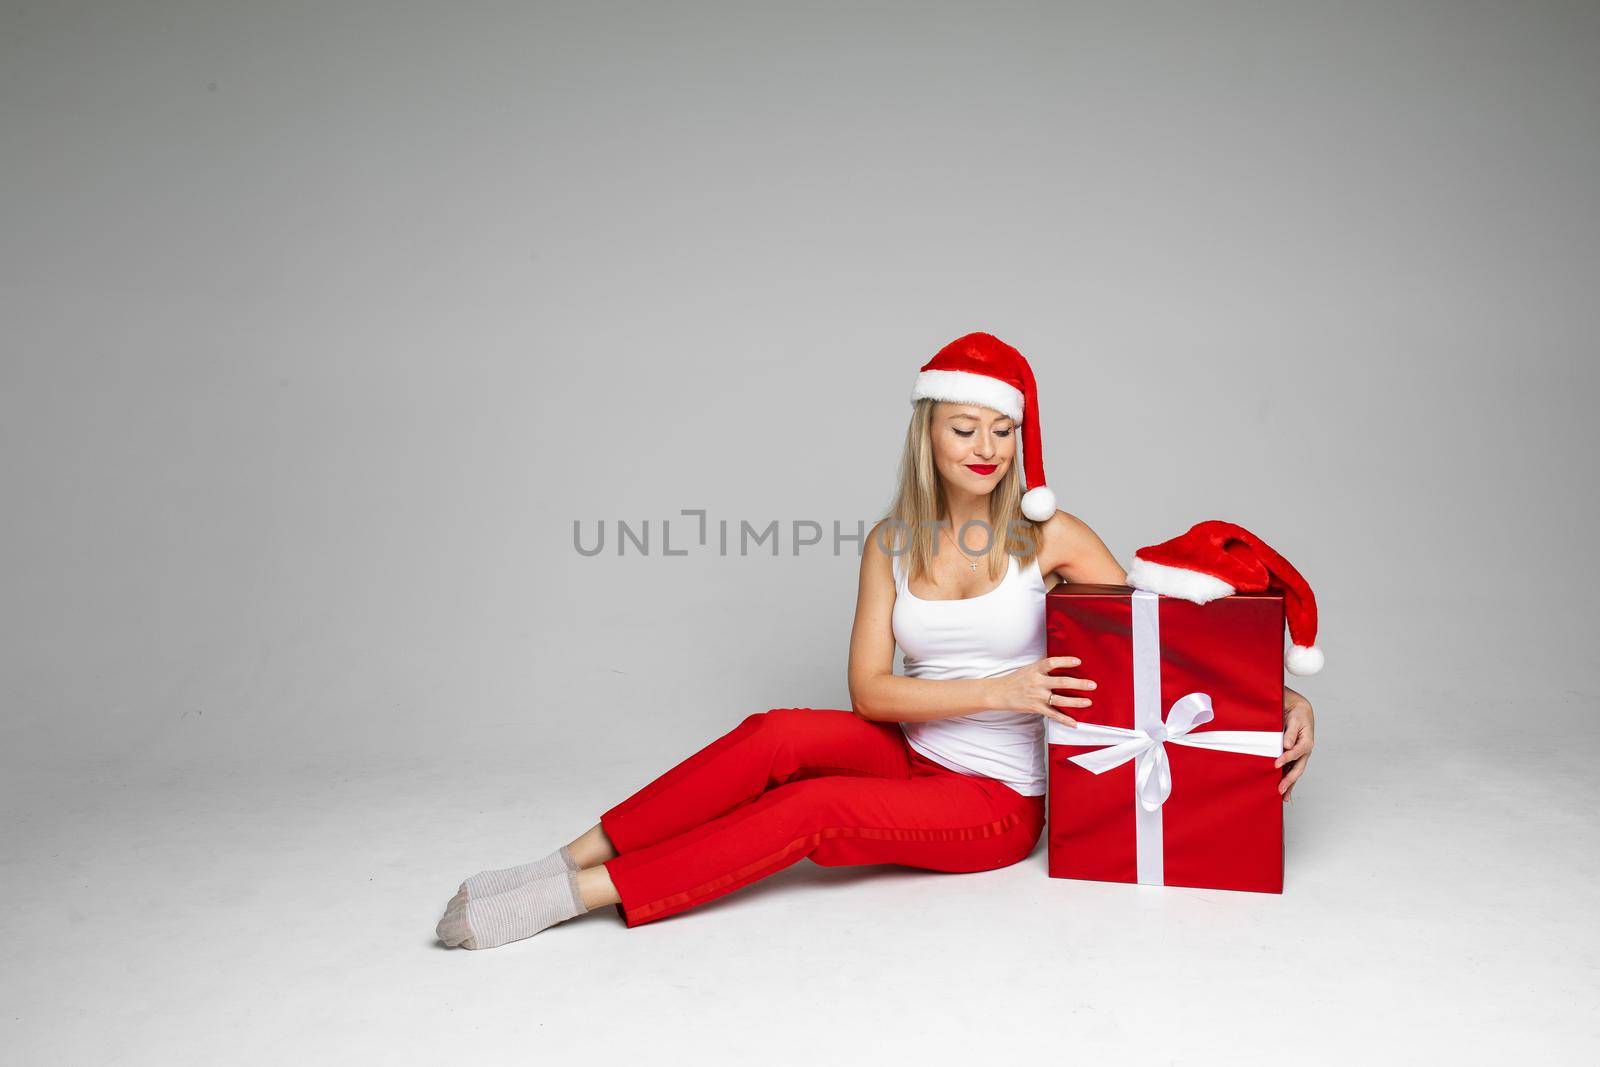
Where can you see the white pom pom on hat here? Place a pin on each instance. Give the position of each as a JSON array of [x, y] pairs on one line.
[[1039, 504], [1217, 559], [1301, 660], [979, 368]]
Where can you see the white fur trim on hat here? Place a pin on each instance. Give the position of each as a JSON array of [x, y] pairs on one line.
[[1039, 503], [964, 387], [1303, 660], [1196, 586]]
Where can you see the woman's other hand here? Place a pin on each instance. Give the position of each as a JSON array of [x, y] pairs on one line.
[[1299, 728], [1031, 689]]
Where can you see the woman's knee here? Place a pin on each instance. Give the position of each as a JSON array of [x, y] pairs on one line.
[[808, 742], [1008, 853], [786, 721], [1017, 843], [775, 731], [816, 731], [1028, 834]]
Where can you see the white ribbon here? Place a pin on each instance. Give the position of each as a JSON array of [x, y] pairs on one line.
[[1147, 742], [1152, 772]]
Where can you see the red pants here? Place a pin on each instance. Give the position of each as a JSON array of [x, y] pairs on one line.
[[796, 782]]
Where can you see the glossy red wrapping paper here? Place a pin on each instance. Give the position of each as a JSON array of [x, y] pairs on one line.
[[1222, 826]]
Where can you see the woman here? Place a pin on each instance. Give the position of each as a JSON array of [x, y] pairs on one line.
[[941, 768]]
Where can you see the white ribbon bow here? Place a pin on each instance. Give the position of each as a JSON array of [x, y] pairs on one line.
[[1152, 772]]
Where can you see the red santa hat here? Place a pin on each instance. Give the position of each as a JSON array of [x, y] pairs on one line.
[[982, 369], [1217, 559]]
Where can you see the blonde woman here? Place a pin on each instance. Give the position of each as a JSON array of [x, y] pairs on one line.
[[941, 767]]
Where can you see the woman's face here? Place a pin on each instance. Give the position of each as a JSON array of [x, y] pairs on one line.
[[973, 446]]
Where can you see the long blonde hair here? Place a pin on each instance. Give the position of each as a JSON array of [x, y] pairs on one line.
[[919, 503]]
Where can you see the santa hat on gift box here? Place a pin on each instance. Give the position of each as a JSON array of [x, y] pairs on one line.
[[1217, 559], [982, 369]]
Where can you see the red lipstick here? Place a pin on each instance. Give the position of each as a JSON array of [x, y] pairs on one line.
[[983, 468]]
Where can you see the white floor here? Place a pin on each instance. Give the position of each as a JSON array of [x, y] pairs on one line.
[[1440, 898]]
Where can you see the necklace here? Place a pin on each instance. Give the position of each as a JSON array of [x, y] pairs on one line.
[[973, 563]]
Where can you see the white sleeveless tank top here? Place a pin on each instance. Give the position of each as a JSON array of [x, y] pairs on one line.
[[977, 637]]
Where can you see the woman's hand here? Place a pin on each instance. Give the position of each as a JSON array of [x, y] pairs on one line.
[[1030, 689], [1298, 730]]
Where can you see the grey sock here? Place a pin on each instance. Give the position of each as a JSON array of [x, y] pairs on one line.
[[521, 911], [488, 883]]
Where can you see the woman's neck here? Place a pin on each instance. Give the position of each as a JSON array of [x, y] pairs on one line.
[[963, 508]]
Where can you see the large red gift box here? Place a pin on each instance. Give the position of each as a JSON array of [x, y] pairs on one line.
[[1187, 720]]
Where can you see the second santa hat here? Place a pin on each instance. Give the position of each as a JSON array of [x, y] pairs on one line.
[[979, 368], [1217, 559]]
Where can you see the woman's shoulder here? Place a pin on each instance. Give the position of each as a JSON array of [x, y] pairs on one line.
[[1064, 537], [1064, 524], [879, 548]]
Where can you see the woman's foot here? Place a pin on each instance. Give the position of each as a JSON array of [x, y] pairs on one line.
[[521, 911], [488, 883], [453, 928]]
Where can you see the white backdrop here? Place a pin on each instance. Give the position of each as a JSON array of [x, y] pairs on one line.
[[325, 323]]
